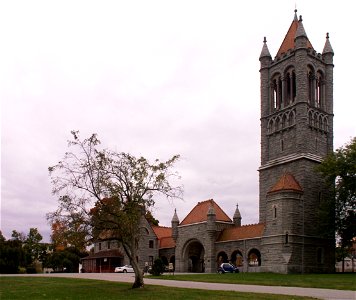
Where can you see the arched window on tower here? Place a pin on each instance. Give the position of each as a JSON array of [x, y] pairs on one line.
[[311, 79], [276, 93], [319, 90], [290, 87], [311, 85], [280, 98], [294, 87], [274, 212]]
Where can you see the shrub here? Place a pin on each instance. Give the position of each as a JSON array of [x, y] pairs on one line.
[[158, 267]]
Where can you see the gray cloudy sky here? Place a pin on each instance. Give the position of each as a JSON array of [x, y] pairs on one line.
[[153, 78]]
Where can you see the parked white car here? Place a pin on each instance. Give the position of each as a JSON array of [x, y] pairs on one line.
[[124, 269]]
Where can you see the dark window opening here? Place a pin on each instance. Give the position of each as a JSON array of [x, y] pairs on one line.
[[150, 244]]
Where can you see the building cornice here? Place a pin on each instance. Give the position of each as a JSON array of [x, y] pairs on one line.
[[290, 158]]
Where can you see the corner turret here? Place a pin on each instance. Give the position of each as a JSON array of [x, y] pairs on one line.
[[211, 219], [175, 223], [265, 56], [301, 38], [328, 51], [237, 216]]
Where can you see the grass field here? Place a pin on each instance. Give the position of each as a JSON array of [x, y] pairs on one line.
[[346, 281], [13, 288]]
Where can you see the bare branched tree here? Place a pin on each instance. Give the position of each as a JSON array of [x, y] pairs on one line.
[[105, 193]]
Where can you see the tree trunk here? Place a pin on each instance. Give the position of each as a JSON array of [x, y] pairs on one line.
[[138, 275], [131, 251]]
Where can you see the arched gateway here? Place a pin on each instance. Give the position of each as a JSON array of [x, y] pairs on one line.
[[193, 256]]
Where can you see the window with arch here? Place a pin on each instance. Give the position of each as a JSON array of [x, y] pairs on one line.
[[290, 87], [319, 89], [311, 85], [276, 92], [254, 258], [237, 258]]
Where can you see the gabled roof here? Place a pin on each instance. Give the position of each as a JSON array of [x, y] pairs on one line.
[[288, 42], [162, 231], [286, 183], [164, 235], [200, 211], [241, 232]]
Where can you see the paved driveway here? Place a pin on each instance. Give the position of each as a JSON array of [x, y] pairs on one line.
[[308, 292]]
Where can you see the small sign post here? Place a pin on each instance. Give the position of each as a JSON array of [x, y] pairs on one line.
[[171, 268]]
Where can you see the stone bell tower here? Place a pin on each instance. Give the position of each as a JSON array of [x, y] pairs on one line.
[[296, 134]]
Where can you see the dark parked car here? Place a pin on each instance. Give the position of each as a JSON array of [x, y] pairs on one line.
[[227, 268]]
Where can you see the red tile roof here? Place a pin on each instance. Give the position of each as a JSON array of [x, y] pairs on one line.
[[167, 242], [199, 213], [164, 235], [288, 42], [162, 231], [286, 183], [241, 232]]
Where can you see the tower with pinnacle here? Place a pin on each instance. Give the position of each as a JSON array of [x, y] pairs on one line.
[[296, 134]]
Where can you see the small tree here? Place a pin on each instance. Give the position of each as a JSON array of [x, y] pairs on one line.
[[339, 170], [106, 191]]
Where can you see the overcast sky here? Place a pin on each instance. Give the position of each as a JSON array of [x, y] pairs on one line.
[[153, 78]]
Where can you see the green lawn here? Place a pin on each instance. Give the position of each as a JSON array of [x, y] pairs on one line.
[[14, 288], [329, 281]]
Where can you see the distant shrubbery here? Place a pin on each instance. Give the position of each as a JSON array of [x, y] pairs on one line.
[[157, 268]]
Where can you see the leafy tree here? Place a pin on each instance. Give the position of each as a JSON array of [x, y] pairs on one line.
[[33, 246], [339, 170], [2, 238], [12, 256], [19, 236], [69, 233], [151, 219], [106, 191], [66, 260]]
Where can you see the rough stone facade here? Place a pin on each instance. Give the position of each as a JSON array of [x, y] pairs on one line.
[[296, 134]]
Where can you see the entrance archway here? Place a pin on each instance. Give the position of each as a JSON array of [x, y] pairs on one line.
[[194, 257], [254, 258], [221, 258], [237, 258]]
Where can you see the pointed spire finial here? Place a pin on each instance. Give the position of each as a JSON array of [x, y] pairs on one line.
[[175, 216], [265, 51], [300, 30], [327, 46], [295, 13]]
